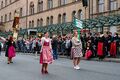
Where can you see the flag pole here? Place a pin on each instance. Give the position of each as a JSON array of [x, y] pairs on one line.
[[77, 26]]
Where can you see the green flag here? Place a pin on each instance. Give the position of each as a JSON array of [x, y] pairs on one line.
[[79, 24]]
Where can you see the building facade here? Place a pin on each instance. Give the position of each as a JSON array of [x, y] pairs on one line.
[[105, 8], [36, 13]]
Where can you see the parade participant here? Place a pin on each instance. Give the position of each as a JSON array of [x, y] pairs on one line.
[[76, 50], [109, 41], [10, 51], [89, 53], [114, 45], [100, 48], [46, 53], [106, 44]]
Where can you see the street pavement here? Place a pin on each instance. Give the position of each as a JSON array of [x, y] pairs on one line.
[[27, 67]]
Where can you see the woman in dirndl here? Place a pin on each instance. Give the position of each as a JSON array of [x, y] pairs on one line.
[[10, 49], [114, 47], [76, 50], [101, 47], [46, 53]]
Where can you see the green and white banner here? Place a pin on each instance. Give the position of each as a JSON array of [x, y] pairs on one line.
[[78, 23]]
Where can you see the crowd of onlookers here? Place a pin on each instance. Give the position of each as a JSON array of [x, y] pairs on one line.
[[62, 45]]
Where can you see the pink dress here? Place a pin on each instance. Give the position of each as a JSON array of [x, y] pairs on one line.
[[11, 52], [46, 53]]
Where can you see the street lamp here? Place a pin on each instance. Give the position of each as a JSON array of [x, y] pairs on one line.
[[85, 5]]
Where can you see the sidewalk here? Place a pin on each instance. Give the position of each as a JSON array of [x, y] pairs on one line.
[[117, 60]]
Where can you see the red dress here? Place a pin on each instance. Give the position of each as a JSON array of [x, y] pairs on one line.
[[46, 54], [113, 49], [100, 49], [11, 52], [88, 54]]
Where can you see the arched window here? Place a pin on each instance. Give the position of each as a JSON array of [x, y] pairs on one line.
[[1, 18], [5, 2], [41, 22], [101, 5], [2, 4], [5, 17], [10, 1], [15, 12], [21, 11], [40, 5], [80, 14], [50, 4], [73, 15], [32, 23], [31, 8], [10, 16], [38, 22], [59, 2], [64, 18], [51, 20], [113, 4], [59, 18], [47, 21]]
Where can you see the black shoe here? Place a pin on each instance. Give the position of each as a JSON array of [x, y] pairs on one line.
[[11, 62]]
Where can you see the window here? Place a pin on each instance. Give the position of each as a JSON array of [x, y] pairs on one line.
[[59, 2], [50, 4], [2, 4], [31, 8], [64, 18], [5, 17], [38, 22], [10, 16], [10, 1], [1, 18], [51, 20], [41, 22], [40, 5], [47, 21], [21, 11], [100, 5], [73, 15], [75, 0], [64, 2], [32, 23], [5, 2], [80, 14], [113, 4], [59, 18], [15, 12]]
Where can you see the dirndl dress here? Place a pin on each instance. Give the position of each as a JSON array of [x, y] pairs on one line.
[[46, 54], [100, 49], [113, 49], [77, 51], [11, 52]]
